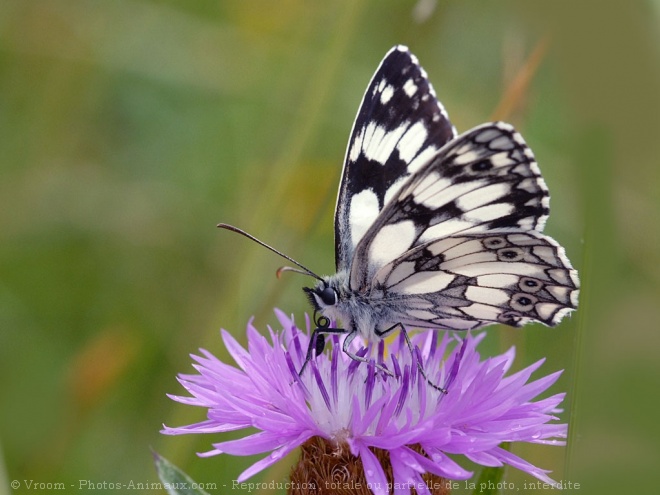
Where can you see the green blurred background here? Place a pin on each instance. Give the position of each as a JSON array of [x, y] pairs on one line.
[[128, 129]]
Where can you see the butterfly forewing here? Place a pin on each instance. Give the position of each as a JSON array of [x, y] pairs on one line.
[[399, 127], [486, 180]]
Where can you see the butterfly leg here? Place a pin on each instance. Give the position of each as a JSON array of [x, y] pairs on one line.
[[413, 351], [347, 343], [317, 341]]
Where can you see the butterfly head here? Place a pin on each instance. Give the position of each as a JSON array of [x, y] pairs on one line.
[[322, 296], [330, 297]]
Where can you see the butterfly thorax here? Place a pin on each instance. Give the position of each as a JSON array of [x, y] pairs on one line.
[[350, 310]]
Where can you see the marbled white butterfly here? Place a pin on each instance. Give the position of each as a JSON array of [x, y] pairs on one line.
[[433, 229]]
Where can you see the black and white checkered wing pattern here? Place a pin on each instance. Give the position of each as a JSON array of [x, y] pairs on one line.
[[468, 229], [400, 126], [484, 181]]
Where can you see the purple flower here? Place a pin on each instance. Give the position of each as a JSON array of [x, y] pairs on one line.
[[354, 404]]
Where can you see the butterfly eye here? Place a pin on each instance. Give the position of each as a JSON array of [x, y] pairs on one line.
[[328, 296]]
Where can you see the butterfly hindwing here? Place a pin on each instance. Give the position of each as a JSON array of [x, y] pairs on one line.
[[399, 127], [465, 282], [486, 180]]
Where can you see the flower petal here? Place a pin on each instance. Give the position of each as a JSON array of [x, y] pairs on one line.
[[373, 471], [274, 457], [343, 400]]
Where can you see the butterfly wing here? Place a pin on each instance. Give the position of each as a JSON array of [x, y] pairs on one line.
[[399, 127], [464, 282], [484, 181], [460, 246]]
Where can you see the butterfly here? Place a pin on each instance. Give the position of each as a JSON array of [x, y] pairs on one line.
[[434, 229]]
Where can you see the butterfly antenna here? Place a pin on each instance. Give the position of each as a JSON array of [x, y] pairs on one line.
[[304, 270], [283, 269]]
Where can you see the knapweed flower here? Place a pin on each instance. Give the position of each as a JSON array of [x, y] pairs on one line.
[[397, 428]]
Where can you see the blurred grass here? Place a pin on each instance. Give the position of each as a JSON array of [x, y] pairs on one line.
[[129, 129]]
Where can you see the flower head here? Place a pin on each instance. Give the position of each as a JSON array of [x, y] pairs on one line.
[[353, 405]]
